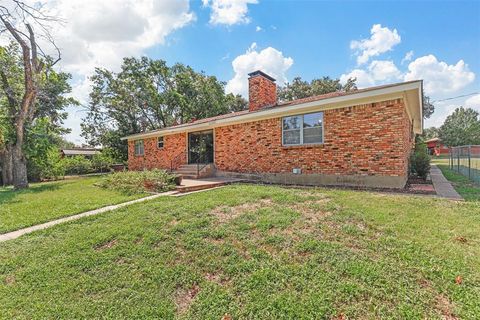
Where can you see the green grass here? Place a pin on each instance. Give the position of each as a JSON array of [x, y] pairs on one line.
[[252, 252], [465, 187], [43, 202]]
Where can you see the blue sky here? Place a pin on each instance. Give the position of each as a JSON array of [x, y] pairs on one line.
[[379, 42]]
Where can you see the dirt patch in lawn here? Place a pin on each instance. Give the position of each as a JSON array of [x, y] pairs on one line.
[[217, 278], [442, 303], [184, 298], [225, 214], [10, 280], [106, 245], [445, 307]]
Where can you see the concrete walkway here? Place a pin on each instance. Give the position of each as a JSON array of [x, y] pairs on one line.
[[442, 186], [21, 232]]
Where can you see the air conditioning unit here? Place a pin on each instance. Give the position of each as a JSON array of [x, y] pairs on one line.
[[297, 171]]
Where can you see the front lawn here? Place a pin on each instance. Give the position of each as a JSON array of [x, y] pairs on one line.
[[253, 252], [43, 202]]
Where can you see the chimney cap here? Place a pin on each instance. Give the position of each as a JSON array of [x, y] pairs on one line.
[[261, 73]]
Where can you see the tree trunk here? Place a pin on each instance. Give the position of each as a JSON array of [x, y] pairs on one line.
[[20, 180], [7, 165]]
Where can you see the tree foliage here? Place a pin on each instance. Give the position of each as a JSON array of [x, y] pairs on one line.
[[462, 127], [147, 94], [44, 127], [428, 107], [299, 89], [430, 133]]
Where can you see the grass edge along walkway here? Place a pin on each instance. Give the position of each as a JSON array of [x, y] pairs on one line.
[[18, 233]]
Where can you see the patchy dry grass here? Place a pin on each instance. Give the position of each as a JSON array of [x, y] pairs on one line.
[[253, 252]]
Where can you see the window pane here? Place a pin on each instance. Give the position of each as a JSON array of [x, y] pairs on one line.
[[291, 137], [313, 120], [139, 147], [292, 122], [312, 135], [160, 142]]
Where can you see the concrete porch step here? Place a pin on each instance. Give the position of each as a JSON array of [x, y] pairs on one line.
[[190, 188], [189, 171], [189, 185]]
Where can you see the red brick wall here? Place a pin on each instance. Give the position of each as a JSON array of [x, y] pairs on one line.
[[158, 158], [370, 139], [262, 92]]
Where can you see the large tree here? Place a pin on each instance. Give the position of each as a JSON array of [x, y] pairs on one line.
[[147, 94], [298, 88], [430, 133], [18, 20], [43, 125], [462, 127]]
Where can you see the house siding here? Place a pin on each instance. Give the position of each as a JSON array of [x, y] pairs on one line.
[[369, 139], [174, 145]]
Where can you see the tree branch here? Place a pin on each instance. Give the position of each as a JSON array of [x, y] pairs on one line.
[[8, 90]]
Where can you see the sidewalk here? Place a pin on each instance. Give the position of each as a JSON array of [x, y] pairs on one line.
[[442, 186]]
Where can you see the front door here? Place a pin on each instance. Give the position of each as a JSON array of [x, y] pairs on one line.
[[200, 147]]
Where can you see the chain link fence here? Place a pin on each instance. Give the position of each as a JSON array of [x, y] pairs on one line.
[[466, 161]]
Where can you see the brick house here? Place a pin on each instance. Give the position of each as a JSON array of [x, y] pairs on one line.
[[436, 147], [358, 138]]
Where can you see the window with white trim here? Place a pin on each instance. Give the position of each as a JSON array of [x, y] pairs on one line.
[[139, 149], [302, 129], [160, 143]]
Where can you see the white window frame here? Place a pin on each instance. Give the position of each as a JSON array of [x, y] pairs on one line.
[[163, 142], [302, 128], [135, 148]]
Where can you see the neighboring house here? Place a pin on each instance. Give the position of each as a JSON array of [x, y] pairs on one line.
[[359, 138], [436, 148], [86, 152]]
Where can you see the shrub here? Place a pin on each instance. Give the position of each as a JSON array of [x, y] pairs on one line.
[[420, 161], [77, 165], [131, 182], [102, 161], [48, 166]]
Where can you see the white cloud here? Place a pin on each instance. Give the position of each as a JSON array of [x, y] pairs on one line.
[[384, 70], [379, 71], [229, 12], [442, 110], [268, 60], [382, 40], [408, 57], [473, 102], [439, 77], [258, 28], [101, 33], [364, 78]]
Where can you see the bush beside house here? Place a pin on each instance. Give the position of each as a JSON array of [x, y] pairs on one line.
[[420, 160], [131, 182]]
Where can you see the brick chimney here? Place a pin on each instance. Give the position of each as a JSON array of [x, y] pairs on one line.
[[262, 91]]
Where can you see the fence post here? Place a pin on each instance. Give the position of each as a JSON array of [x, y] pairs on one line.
[[450, 158], [458, 162], [469, 162]]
